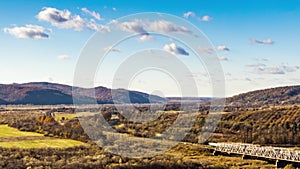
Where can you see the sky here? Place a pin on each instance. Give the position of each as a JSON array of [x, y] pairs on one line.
[[257, 42]]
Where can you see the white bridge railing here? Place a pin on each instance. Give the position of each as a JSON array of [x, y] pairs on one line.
[[275, 153]]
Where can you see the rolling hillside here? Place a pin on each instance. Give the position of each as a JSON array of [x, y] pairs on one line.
[[39, 93], [287, 95]]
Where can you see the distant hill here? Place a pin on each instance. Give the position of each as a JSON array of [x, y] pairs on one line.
[[2, 102], [274, 96], [39, 93], [43, 93]]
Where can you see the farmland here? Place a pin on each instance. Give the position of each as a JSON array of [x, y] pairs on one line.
[[61, 140]]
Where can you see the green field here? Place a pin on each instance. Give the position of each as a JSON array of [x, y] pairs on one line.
[[6, 131], [20, 139], [48, 143]]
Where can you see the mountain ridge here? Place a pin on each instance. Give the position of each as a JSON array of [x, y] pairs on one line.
[[54, 93], [284, 95], [38, 93]]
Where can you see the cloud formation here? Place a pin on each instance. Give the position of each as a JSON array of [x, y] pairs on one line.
[[160, 26], [163, 26], [174, 49], [92, 13], [282, 69], [205, 18], [63, 57], [207, 50], [135, 26], [256, 65], [145, 38], [111, 49], [28, 31], [262, 59], [223, 48], [191, 14], [269, 70], [64, 19], [266, 41], [223, 58]]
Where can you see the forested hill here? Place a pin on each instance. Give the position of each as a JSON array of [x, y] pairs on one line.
[[287, 95], [43, 93], [39, 93]]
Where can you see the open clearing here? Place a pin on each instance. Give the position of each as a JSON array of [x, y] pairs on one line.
[[6, 131], [11, 137]]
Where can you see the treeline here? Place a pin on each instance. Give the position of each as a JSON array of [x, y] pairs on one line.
[[273, 126], [278, 126], [289, 95], [84, 158], [46, 125], [269, 126]]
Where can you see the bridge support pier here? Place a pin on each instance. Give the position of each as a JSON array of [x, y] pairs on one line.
[[280, 164], [215, 153], [245, 157]]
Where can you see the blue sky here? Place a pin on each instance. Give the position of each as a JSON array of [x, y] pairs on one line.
[[257, 41]]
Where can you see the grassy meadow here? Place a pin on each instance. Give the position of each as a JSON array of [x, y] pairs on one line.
[[6, 131], [13, 138]]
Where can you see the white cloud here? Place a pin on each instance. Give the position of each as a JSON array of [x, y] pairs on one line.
[[223, 58], [160, 26], [223, 48], [163, 26], [61, 18], [289, 68], [189, 14], [256, 65], [91, 24], [174, 49], [111, 49], [135, 26], [63, 57], [261, 59], [92, 13], [64, 19], [114, 9], [205, 18], [207, 50], [266, 41], [269, 70], [113, 21], [145, 38], [282, 69], [28, 31]]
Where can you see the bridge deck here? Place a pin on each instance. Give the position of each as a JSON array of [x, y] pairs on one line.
[[275, 153]]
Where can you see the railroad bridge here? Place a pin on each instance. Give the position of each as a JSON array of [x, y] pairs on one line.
[[282, 156]]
